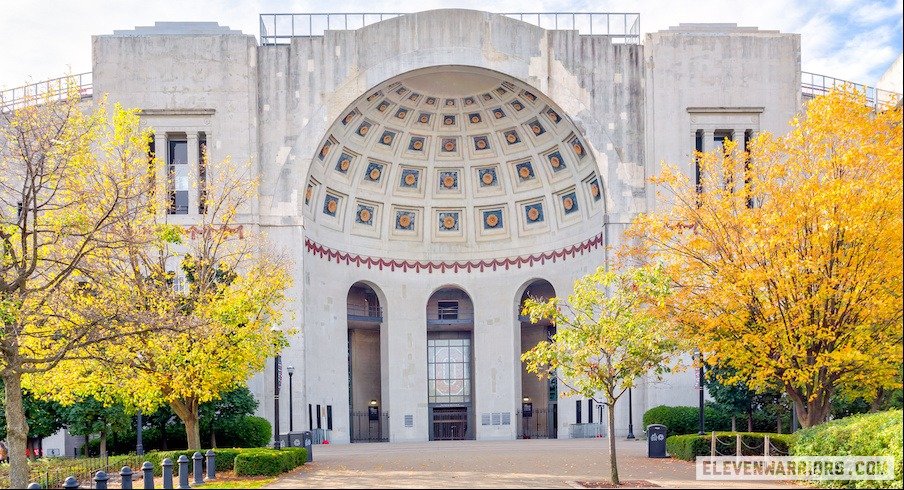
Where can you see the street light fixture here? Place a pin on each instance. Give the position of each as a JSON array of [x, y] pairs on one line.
[[277, 382], [630, 417], [291, 371], [698, 357]]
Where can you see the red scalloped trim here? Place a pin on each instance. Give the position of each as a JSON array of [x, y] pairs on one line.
[[417, 266]]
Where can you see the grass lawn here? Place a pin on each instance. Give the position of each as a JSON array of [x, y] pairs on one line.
[[229, 480]]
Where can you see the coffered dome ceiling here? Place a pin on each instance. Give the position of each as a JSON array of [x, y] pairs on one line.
[[452, 162]]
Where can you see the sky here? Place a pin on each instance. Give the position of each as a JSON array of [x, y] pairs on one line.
[[854, 40]]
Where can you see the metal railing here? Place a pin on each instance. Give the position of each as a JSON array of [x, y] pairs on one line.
[[281, 28], [537, 425], [450, 315], [813, 85], [365, 428], [587, 431], [621, 27], [54, 89], [364, 311]]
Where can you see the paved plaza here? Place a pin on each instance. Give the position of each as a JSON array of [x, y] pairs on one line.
[[490, 464]]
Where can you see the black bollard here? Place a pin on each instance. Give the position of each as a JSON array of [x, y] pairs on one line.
[[198, 467], [148, 469], [70, 484], [167, 473], [126, 474], [211, 465], [100, 480], [183, 472]]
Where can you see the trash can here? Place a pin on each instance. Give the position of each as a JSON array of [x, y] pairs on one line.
[[656, 441], [294, 439], [307, 441]]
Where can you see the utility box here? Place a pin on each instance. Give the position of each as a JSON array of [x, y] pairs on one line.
[[656, 434], [307, 442]]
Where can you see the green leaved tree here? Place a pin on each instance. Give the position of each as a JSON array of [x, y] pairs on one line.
[[607, 337]]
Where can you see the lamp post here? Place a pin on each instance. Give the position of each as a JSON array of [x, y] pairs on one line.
[[291, 371], [139, 443], [277, 382], [698, 356], [630, 417]]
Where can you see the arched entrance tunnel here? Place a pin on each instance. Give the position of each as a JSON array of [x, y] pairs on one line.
[[435, 195]]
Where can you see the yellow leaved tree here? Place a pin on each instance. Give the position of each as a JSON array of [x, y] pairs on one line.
[[226, 291], [787, 259], [73, 190]]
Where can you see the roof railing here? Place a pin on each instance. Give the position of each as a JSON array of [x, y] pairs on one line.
[[54, 89], [621, 27], [813, 85]]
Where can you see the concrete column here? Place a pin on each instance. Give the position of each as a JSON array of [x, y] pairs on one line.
[[709, 140], [493, 374], [193, 159], [406, 323], [161, 146]]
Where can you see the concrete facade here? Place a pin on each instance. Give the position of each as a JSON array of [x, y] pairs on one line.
[[558, 196]]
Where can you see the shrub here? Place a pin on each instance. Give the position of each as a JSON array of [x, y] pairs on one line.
[[245, 432], [268, 462], [877, 434], [689, 446], [224, 458], [685, 420]]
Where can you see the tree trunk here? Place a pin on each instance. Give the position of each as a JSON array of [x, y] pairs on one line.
[[192, 432], [877, 402], [749, 419], [613, 462], [187, 411], [734, 423], [163, 444], [213, 439], [811, 412], [103, 444], [16, 430]]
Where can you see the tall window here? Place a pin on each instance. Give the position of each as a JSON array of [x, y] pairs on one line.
[[202, 173], [448, 370], [698, 145], [177, 167], [747, 177]]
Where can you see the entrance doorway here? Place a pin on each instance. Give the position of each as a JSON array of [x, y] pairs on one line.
[[368, 421], [449, 423], [450, 325], [539, 397]]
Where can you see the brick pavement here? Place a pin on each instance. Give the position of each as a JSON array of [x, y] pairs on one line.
[[490, 464]]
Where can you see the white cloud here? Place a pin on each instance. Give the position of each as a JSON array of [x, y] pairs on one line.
[[44, 39]]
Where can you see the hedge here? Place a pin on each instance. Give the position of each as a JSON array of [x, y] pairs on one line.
[[686, 420], [224, 458], [247, 432], [689, 446], [876, 434], [269, 462]]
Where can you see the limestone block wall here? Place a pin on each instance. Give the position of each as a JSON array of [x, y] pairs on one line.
[[633, 106], [715, 77]]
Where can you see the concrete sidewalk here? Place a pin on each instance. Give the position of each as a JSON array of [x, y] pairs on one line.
[[492, 464]]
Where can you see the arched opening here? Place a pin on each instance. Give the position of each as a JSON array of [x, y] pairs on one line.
[[539, 397], [450, 335], [368, 421]]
